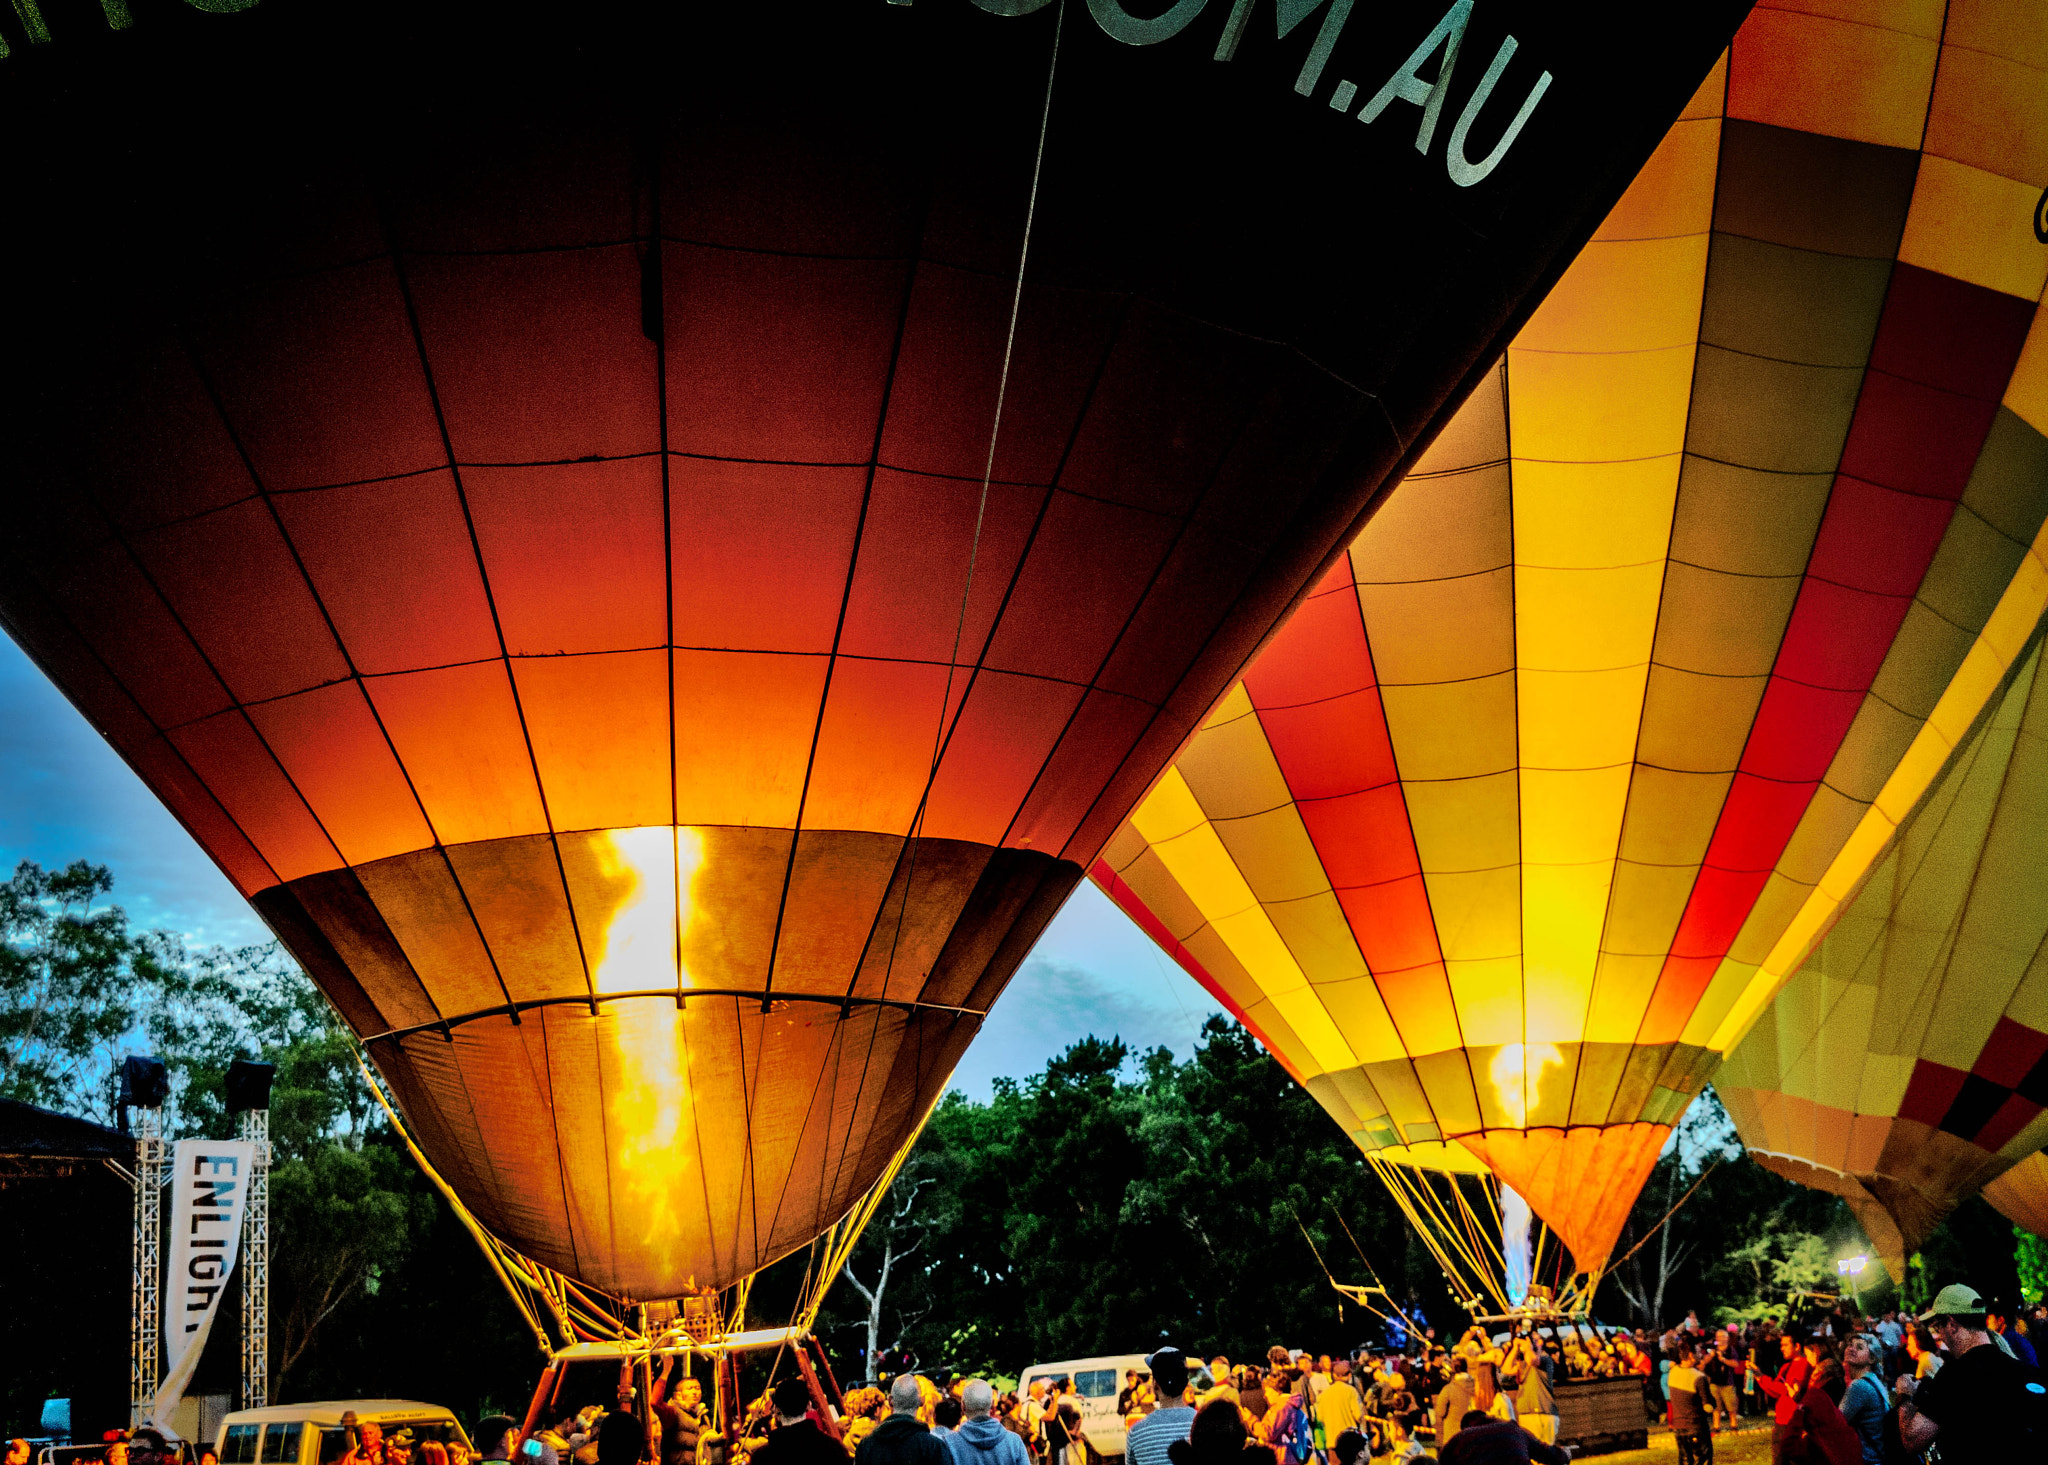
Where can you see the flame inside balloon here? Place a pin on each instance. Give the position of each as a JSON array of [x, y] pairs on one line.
[[1517, 1073], [642, 952], [1514, 1243]]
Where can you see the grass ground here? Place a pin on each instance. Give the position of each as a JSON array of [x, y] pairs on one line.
[[1743, 1447], [1750, 1446]]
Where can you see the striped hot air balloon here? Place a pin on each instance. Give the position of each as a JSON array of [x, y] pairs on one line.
[[2021, 1194], [1905, 1065], [1513, 830]]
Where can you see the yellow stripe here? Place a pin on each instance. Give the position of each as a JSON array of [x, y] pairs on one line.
[[1179, 832], [1989, 659]]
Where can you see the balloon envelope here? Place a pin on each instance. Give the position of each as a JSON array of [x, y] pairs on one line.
[[1906, 1064], [1511, 831], [573, 512], [2021, 1194]]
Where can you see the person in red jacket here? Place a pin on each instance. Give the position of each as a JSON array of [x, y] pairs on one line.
[[1786, 1388], [1829, 1438]]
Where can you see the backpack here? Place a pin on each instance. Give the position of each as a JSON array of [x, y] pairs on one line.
[[1296, 1438]]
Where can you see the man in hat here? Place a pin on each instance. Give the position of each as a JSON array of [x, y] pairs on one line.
[[1982, 1399], [1151, 1437]]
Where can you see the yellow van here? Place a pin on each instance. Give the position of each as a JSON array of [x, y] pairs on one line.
[[313, 1434]]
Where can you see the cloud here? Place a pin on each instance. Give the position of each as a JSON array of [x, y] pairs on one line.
[[1052, 1003]]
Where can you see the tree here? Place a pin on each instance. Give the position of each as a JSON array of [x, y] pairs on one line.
[[75, 983], [1114, 1200], [1703, 1140], [903, 1230], [343, 1216], [2030, 1260]]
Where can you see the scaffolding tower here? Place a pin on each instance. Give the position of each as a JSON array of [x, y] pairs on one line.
[[255, 1127], [145, 1336]]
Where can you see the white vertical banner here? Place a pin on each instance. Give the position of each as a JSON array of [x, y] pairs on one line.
[[209, 1194]]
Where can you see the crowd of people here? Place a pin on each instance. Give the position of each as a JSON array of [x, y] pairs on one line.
[[1839, 1388]]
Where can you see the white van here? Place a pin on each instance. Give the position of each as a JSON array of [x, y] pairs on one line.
[[313, 1434], [1097, 1382]]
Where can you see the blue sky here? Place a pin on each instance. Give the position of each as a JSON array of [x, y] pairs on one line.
[[65, 795]]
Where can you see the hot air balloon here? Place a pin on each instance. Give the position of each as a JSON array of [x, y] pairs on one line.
[[656, 543], [1905, 1065], [1508, 835], [2021, 1194]]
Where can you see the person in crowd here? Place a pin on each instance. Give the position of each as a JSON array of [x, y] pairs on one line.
[[494, 1436], [1010, 1415], [1076, 1450], [1453, 1403], [1724, 1380], [902, 1438], [1785, 1388], [796, 1438], [1484, 1440], [1339, 1406], [1972, 1407], [946, 1416], [1034, 1416], [863, 1410], [1891, 1335], [980, 1440], [1921, 1354], [1864, 1401], [1127, 1399], [1215, 1436], [1318, 1378], [1052, 1428], [1999, 1318], [679, 1405], [1689, 1406], [1151, 1438], [1535, 1403], [1222, 1384], [1829, 1438], [431, 1452], [1290, 1429], [620, 1439]]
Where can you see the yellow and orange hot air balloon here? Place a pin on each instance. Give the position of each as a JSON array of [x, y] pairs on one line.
[[1906, 1064], [574, 509], [2021, 1194], [1510, 833]]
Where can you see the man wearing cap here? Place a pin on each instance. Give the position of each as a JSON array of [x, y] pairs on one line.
[[1152, 1436], [1973, 1405]]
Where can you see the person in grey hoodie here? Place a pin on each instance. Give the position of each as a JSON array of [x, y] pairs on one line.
[[981, 1440]]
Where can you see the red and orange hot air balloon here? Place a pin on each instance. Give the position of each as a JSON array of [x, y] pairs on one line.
[[1511, 832], [577, 514]]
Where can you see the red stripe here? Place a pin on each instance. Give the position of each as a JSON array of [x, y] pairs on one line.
[[1943, 353], [1317, 696]]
